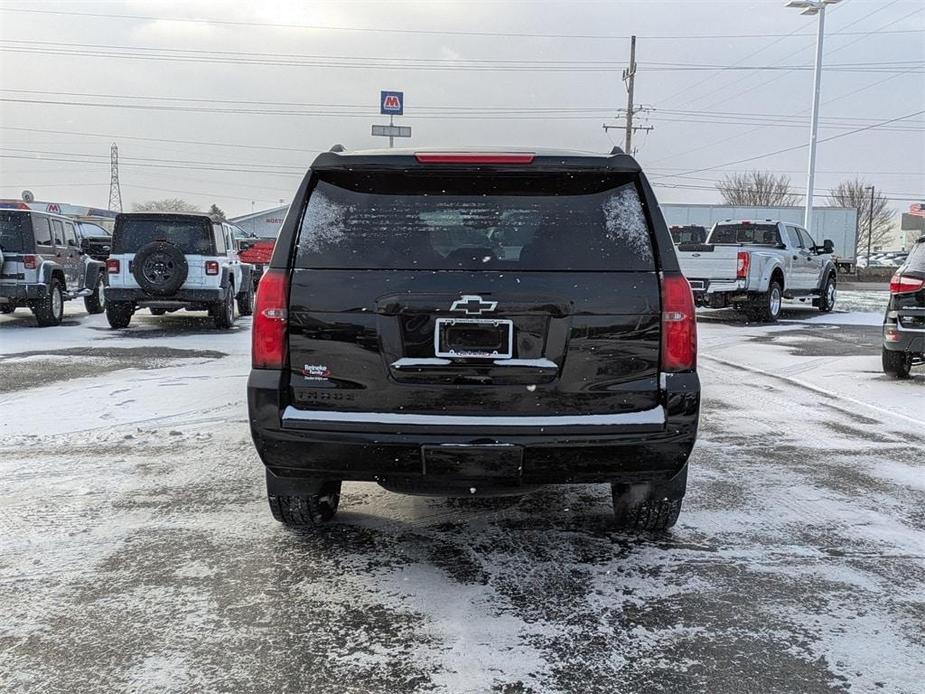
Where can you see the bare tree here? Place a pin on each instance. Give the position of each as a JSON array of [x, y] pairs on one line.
[[758, 188], [165, 205], [856, 193]]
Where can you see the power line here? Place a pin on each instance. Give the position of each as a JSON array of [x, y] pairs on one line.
[[109, 136], [430, 63], [431, 32], [801, 146], [381, 63]]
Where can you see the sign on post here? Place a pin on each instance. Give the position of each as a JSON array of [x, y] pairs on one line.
[[391, 103], [392, 130]]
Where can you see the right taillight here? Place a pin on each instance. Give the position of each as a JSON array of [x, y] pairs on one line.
[[901, 284], [679, 325], [112, 266], [743, 259], [268, 333]]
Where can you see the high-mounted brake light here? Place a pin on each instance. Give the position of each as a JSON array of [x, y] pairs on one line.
[[271, 313], [743, 260], [211, 267], [112, 266], [679, 325], [901, 284], [30, 262], [475, 157]]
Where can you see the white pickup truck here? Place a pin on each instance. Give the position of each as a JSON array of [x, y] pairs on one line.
[[753, 265]]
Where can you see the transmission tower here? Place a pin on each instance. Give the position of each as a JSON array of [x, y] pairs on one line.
[[115, 192]]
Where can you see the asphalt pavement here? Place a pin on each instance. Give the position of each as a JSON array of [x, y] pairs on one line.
[[137, 552]]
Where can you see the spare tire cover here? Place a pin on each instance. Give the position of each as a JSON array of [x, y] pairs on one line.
[[160, 268]]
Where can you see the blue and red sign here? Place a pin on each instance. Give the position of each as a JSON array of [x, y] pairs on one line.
[[391, 103]]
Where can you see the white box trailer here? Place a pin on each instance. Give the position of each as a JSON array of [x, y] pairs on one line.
[[837, 223]]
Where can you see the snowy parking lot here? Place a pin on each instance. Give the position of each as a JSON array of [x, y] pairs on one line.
[[137, 552]]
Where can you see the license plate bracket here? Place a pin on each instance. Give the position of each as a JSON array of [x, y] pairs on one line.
[[473, 462], [474, 338]]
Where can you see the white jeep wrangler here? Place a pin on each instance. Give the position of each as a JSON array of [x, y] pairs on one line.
[[170, 261]]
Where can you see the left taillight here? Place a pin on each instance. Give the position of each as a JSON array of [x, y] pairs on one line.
[[113, 266], [271, 314], [30, 262], [679, 325], [211, 267], [902, 284], [743, 260]]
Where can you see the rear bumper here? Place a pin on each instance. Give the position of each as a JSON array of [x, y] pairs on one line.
[[184, 296], [23, 292], [904, 330], [384, 448]]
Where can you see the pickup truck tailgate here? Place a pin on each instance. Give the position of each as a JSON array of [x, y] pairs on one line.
[[704, 261]]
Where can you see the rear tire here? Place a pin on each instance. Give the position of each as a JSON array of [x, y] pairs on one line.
[[157, 311], [96, 302], [50, 310], [649, 507], [897, 364], [223, 312], [767, 306], [246, 301], [7, 308], [119, 314], [306, 511]]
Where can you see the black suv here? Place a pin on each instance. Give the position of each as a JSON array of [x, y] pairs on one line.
[[904, 322], [474, 323], [42, 265]]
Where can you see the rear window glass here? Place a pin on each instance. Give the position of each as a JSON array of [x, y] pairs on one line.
[[761, 234], [192, 236], [916, 259], [477, 224], [87, 229], [688, 234], [13, 228]]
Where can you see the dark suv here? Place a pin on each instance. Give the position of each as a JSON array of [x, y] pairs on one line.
[[904, 323], [474, 324], [42, 265]]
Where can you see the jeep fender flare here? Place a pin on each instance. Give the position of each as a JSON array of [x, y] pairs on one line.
[[49, 268], [225, 282], [246, 278], [95, 270], [768, 271]]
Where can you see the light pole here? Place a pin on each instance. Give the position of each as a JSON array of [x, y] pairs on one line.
[[811, 7], [870, 222]]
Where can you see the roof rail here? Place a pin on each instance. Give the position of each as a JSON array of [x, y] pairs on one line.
[[616, 150], [338, 148]]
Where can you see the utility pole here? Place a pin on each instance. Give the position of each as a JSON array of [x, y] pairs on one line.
[[629, 76], [870, 223], [115, 191]]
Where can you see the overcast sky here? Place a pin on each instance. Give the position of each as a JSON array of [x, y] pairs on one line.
[[519, 74]]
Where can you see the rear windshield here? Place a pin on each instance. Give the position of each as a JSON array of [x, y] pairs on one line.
[[688, 234], [476, 224], [760, 234], [14, 227], [88, 229], [192, 236], [916, 259]]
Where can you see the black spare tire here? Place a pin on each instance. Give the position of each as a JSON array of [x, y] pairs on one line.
[[160, 268]]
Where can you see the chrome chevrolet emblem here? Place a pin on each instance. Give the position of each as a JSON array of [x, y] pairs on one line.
[[473, 305]]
